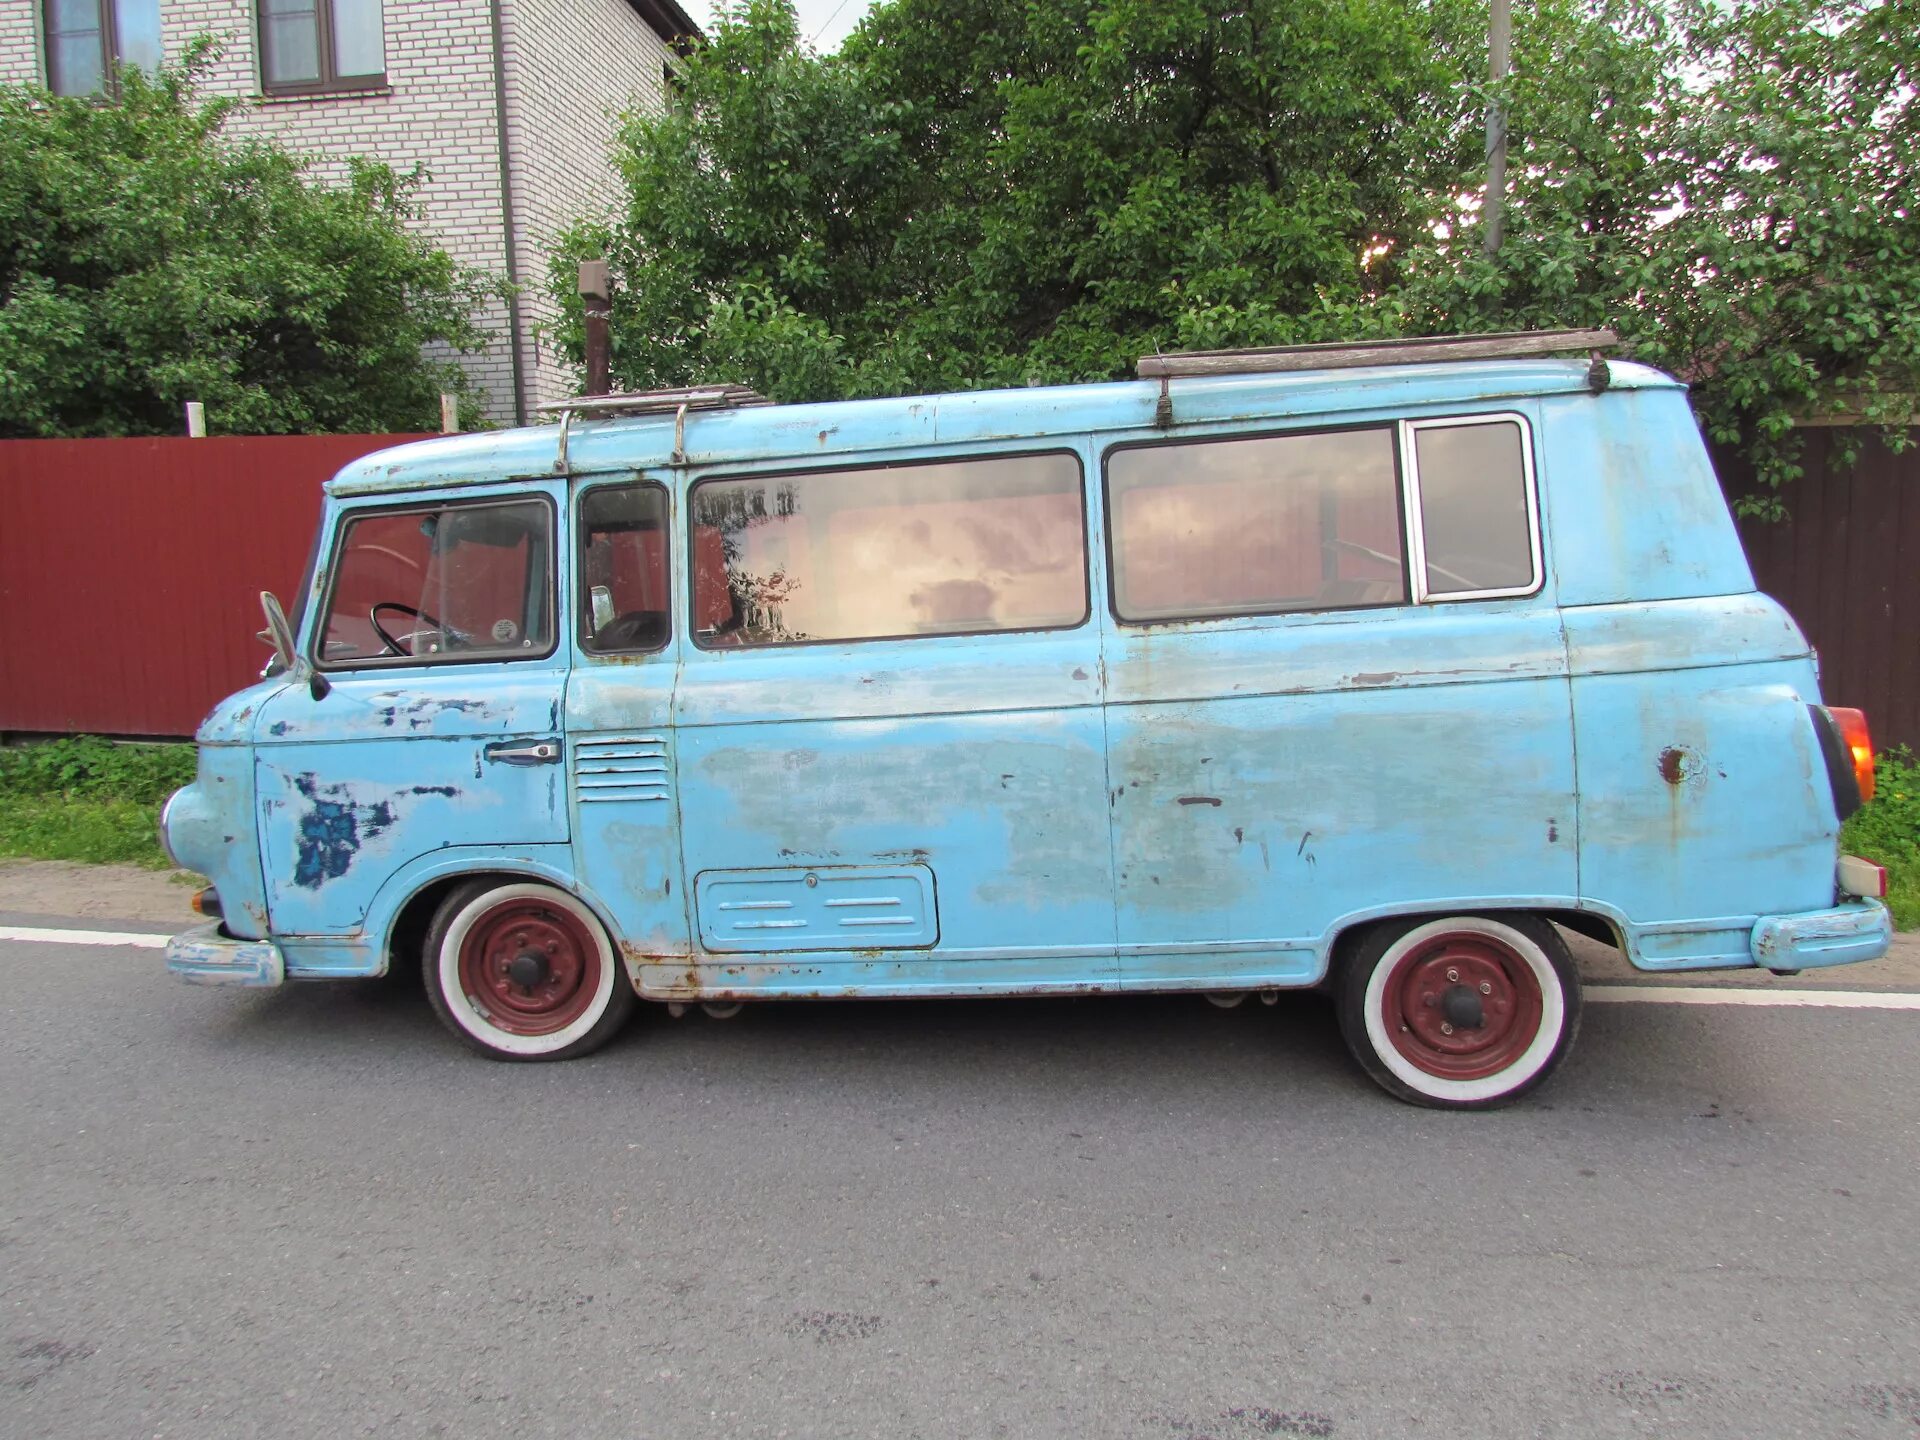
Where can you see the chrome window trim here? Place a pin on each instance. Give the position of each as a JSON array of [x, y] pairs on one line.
[[1416, 530], [344, 521]]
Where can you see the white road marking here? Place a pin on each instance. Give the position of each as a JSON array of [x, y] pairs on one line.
[[83, 937], [1748, 995]]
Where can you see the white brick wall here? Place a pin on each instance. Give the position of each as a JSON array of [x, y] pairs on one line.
[[571, 66], [20, 43]]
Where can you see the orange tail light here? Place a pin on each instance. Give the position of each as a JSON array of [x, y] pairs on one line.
[[1853, 730]]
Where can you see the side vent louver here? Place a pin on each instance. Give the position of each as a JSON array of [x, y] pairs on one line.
[[630, 768]]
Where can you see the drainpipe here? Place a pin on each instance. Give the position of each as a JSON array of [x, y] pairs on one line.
[[515, 335], [596, 301]]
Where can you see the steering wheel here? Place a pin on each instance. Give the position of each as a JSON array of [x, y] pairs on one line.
[[394, 646]]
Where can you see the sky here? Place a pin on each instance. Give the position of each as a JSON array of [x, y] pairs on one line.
[[826, 23]]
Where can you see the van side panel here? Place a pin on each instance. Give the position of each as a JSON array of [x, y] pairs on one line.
[[1634, 507], [623, 788], [1276, 780], [1704, 801], [977, 760]]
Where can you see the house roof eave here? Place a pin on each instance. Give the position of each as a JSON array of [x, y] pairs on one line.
[[671, 23]]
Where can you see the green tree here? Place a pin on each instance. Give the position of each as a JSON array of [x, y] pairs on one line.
[[982, 192], [993, 191], [147, 259], [1731, 184]]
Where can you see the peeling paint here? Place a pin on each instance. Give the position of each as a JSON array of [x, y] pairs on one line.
[[332, 831]]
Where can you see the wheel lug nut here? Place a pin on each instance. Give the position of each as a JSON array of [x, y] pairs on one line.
[[1445, 1028], [1486, 987], [1453, 976]]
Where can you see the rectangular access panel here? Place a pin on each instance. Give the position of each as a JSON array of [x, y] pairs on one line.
[[843, 907]]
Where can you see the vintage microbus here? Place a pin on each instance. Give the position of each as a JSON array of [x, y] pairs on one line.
[[1371, 667]]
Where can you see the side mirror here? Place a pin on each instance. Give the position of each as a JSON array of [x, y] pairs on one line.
[[280, 634]]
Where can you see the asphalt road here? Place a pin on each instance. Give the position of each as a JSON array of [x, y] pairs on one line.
[[310, 1213]]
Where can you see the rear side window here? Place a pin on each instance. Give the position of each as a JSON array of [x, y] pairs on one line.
[[456, 582], [939, 548], [1477, 523], [1258, 525]]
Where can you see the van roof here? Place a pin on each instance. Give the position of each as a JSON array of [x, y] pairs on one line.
[[800, 433]]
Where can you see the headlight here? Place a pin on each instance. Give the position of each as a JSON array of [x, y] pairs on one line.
[[166, 846]]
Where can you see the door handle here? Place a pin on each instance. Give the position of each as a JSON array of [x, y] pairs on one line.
[[538, 752]]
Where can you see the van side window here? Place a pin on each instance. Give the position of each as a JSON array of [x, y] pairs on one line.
[[626, 605], [456, 582], [1476, 508], [1256, 526], [887, 552]]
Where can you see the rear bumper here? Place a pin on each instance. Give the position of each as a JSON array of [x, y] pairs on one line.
[[1859, 930], [205, 956]]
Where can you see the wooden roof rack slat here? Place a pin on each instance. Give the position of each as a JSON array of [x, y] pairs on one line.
[[1509, 345]]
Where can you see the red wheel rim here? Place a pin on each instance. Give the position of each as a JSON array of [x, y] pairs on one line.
[[530, 968], [1462, 1005]]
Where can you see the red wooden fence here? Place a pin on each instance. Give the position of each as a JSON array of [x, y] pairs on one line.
[[130, 571]]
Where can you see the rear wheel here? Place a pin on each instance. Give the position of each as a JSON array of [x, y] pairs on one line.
[[1464, 1012], [522, 971]]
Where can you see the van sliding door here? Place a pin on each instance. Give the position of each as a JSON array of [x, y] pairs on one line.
[[1301, 733], [892, 766]]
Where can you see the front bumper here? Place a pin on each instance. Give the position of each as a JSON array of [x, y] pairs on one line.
[[206, 956], [1859, 930]]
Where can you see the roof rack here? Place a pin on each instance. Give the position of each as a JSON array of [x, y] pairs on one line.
[[656, 402], [651, 402], [1507, 345]]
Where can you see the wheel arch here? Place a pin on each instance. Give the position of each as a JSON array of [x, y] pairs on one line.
[[405, 906], [1347, 936]]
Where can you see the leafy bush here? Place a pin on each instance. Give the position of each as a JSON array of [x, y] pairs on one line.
[[87, 767], [1887, 831], [148, 257]]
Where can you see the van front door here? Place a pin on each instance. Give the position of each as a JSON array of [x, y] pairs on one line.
[[440, 725]]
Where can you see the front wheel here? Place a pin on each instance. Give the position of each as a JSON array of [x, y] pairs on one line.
[[522, 971], [1466, 1012]]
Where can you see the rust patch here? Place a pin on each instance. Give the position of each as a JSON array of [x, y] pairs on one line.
[[1673, 765], [1375, 677]]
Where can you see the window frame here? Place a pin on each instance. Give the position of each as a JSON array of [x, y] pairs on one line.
[[330, 81], [316, 639], [1086, 547], [110, 56], [582, 615], [1389, 427], [1414, 524]]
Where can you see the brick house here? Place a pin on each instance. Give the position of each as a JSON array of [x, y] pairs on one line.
[[508, 105]]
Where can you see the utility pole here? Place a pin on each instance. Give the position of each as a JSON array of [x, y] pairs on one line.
[[1499, 42]]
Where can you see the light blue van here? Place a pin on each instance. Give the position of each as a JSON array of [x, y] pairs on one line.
[[1358, 666]]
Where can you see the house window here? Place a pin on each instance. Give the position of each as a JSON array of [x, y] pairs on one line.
[[312, 46], [84, 35]]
